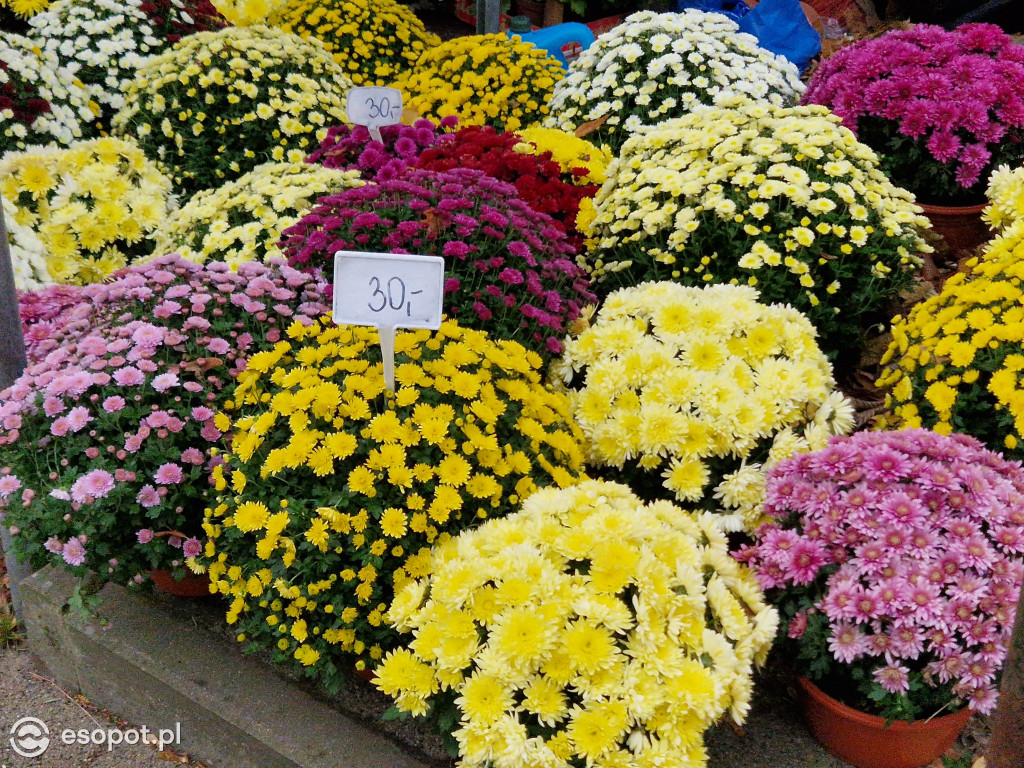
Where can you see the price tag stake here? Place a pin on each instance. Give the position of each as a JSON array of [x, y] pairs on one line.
[[388, 291], [374, 106]]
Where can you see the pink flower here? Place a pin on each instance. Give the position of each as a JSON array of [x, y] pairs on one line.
[[78, 417], [8, 485], [96, 484], [797, 625], [218, 346], [165, 381], [148, 335], [192, 547], [202, 413], [54, 545], [60, 427], [113, 404], [148, 497], [128, 377], [893, 677], [169, 474], [192, 456], [73, 552], [847, 643], [144, 536]]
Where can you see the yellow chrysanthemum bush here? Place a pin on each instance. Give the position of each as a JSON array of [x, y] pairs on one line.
[[1005, 197], [217, 104], [335, 489], [956, 362], [94, 205], [583, 162], [482, 80], [693, 393], [243, 219], [589, 628], [781, 198], [373, 40]]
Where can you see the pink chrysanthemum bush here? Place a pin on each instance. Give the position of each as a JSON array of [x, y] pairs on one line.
[[896, 561], [943, 108], [509, 269], [108, 435]]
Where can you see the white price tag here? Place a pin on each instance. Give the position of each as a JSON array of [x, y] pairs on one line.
[[389, 291], [374, 106]]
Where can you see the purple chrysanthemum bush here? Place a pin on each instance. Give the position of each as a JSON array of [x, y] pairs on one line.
[[895, 559], [109, 435], [508, 269], [943, 108]]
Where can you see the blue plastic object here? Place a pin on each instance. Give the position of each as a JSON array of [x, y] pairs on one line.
[[781, 26], [563, 41]]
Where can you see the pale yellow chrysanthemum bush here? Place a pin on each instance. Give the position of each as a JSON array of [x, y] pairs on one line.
[[589, 628], [217, 104], [784, 199], [694, 393], [243, 219], [94, 205], [1005, 197]]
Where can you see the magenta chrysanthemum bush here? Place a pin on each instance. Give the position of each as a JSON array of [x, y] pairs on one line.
[[943, 108], [108, 436], [509, 269], [351, 148], [896, 561]]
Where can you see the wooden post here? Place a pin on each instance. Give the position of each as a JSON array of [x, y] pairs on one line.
[[1006, 747], [12, 363]]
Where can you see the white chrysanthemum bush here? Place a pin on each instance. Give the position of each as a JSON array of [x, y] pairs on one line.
[[28, 254], [40, 101], [655, 67], [782, 198], [693, 393], [243, 220], [588, 628]]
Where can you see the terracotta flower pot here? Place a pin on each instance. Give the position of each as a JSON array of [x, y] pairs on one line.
[[191, 586], [367, 674], [960, 226], [864, 741]]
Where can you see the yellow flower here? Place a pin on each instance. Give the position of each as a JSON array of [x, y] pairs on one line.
[[251, 516]]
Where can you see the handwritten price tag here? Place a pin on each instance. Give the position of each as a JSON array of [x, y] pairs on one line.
[[389, 291], [374, 106]]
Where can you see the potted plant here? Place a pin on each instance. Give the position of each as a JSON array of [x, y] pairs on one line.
[[780, 198], [678, 392], [587, 628], [895, 559], [943, 108], [656, 66], [109, 435], [955, 361], [335, 488]]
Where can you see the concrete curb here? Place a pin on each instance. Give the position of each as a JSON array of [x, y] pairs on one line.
[[156, 669]]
